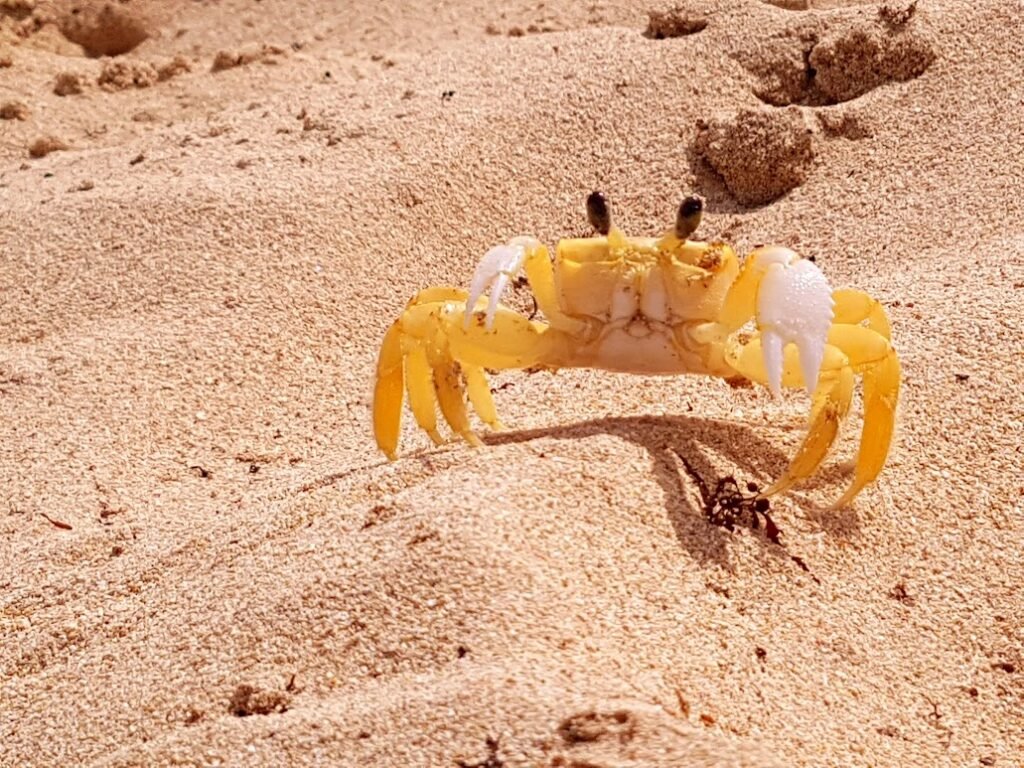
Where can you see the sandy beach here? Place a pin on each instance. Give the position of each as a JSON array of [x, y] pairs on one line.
[[211, 212]]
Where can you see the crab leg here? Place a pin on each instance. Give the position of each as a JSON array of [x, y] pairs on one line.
[[432, 377], [512, 341], [480, 395], [871, 353], [830, 403], [853, 307], [444, 359], [850, 349], [387, 392], [419, 382], [451, 396], [419, 379]]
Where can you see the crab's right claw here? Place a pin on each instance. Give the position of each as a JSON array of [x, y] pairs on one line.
[[794, 305], [497, 267]]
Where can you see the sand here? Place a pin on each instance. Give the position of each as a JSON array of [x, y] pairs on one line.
[[205, 561]]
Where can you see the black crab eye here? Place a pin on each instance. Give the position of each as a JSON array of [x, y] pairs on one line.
[[688, 216], [598, 215]]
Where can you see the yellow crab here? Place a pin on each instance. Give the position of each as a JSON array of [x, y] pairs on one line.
[[666, 305]]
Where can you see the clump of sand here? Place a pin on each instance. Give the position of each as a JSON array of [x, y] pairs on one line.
[[119, 74], [845, 123], [247, 55], [69, 84], [44, 145], [14, 110], [179, 65], [249, 700]]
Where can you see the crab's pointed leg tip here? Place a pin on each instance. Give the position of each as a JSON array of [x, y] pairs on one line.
[[392, 455], [844, 501]]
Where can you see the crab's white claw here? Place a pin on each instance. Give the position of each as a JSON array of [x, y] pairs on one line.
[[496, 268], [794, 305]]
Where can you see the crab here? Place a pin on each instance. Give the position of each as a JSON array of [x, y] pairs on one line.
[[663, 305]]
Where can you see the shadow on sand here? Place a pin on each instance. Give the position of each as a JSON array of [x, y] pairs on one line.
[[693, 440]]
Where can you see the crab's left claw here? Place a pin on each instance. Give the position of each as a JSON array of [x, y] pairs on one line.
[[794, 305], [497, 267]]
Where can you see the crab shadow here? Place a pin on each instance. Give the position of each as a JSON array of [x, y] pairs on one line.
[[673, 442]]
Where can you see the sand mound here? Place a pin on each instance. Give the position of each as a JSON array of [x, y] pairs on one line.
[[103, 28], [760, 154]]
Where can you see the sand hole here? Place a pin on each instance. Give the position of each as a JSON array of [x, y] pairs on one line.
[[818, 64], [591, 726], [677, 21], [248, 700], [851, 61], [780, 66]]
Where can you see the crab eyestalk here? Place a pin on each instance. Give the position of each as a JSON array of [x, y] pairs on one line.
[[688, 216], [598, 215]]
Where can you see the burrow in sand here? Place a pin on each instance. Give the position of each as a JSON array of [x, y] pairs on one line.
[[820, 61], [677, 21]]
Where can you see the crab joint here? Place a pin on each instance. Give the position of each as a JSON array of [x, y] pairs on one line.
[[688, 216], [598, 215]]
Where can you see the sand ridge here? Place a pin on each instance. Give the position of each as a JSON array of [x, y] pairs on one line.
[[202, 559]]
